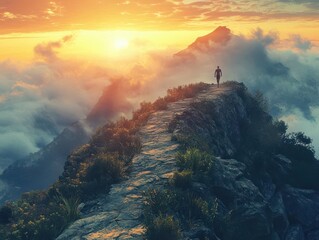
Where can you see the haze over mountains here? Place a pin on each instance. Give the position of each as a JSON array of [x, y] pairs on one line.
[[41, 169], [289, 80]]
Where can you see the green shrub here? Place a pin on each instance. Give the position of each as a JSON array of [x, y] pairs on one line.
[[160, 104], [183, 179], [180, 202], [37, 216], [116, 139], [106, 169], [190, 207], [298, 146], [195, 160], [205, 210], [163, 228], [141, 115], [124, 144], [70, 206], [158, 201], [186, 91], [95, 166]]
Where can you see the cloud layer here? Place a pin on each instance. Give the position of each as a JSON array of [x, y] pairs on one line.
[[288, 79], [37, 101]]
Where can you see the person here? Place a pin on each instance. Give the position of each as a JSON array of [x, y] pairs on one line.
[[218, 74]]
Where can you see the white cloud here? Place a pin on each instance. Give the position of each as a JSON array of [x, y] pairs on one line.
[[37, 101]]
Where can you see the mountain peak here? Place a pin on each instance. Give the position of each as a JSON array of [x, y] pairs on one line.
[[220, 36]]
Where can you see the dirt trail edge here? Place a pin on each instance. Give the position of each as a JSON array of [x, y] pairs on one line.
[[117, 215]]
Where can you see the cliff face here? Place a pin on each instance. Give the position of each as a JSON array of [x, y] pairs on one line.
[[252, 181], [257, 187]]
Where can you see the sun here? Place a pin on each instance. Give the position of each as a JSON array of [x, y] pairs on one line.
[[121, 43]]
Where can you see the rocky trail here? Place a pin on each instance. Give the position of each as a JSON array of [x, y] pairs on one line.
[[117, 215]]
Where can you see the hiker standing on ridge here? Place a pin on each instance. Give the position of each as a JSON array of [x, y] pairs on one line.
[[218, 74]]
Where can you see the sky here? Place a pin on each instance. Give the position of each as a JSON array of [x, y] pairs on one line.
[[57, 58], [23, 23], [47, 15]]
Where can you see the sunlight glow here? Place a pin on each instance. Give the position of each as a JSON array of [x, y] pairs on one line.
[[121, 43]]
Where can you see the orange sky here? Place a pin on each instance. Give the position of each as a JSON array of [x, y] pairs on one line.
[[48, 15], [165, 23]]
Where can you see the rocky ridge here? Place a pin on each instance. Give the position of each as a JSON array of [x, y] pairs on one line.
[[117, 215], [276, 211]]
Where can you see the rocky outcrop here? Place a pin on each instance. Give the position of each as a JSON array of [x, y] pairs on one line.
[[250, 221], [256, 200], [231, 186], [215, 121]]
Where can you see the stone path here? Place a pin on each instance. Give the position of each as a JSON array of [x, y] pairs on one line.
[[117, 215]]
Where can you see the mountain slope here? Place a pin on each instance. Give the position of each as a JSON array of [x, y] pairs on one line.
[[209, 163], [117, 216], [257, 189]]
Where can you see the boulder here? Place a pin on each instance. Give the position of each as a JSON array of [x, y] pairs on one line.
[[251, 222], [302, 206], [231, 186], [295, 233]]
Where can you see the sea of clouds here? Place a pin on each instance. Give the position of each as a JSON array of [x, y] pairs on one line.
[[38, 100]]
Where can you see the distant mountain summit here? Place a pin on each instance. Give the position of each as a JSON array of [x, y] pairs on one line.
[[209, 42]]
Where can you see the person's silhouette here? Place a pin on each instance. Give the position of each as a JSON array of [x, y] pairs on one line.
[[218, 74]]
